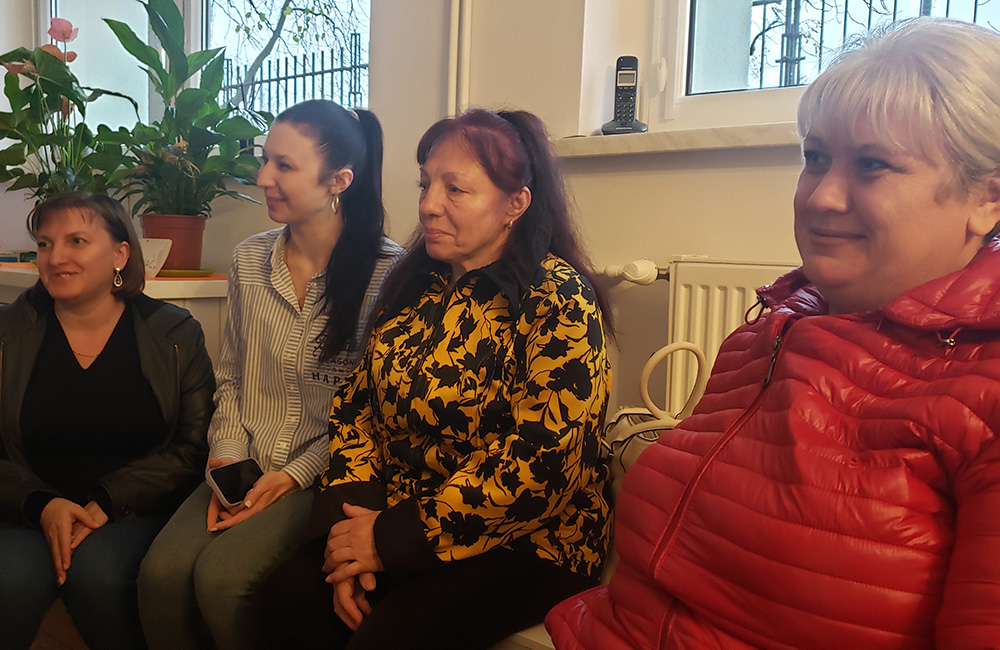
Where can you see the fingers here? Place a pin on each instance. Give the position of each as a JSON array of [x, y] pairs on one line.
[[345, 526], [343, 572], [78, 534], [95, 511], [59, 544], [367, 582], [229, 519], [214, 508], [58, 520], [354, 511], [57, 561], [361, 600], [269, 488], [334, 557], [345, 606]]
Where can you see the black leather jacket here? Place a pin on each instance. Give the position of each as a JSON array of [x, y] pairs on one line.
[[173, 358]]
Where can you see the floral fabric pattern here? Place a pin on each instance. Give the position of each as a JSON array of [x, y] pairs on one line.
[[488, 412]]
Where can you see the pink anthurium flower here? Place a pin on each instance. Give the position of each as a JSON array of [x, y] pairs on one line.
[[25, 67], [68, 57], [62, 30]]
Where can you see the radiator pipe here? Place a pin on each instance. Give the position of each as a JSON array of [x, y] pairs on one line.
[[642, 272]]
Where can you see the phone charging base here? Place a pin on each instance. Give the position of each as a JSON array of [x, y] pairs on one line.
[[613, 127]]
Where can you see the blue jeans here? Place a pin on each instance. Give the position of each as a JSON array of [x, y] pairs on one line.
[[195, 587], [99, 592]]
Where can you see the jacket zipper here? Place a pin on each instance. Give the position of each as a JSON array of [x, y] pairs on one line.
[[774, 355], [686, 496], [177, 372]]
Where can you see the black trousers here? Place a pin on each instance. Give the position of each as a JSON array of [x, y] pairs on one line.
[[465, 605]]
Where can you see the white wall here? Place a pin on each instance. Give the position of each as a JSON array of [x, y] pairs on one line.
[[16, 30], [102, 63], [730, 204]]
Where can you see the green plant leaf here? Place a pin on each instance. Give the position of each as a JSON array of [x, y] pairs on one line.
[[12, 155], [190, 103], [146, 54], [16, 55], [171, 16], [98, 92], [199, 60], [212, 76], [15, 95], [24, 181], [53, 69], [238, 127], [168, 25]]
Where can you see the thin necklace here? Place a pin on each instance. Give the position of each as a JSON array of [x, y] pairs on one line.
[[89, 356]]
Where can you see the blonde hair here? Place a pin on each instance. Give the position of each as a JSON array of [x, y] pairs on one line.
[[927, 85]]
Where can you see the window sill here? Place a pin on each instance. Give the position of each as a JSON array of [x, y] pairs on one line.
[[777, 134]]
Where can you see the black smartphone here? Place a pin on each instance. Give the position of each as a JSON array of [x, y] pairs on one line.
[[232, 482]]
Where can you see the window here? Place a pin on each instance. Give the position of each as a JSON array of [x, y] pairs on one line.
[[102, 61], [767, 49], [781, 43], [281, 52]]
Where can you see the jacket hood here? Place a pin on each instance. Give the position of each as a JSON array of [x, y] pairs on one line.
[[968, 298]]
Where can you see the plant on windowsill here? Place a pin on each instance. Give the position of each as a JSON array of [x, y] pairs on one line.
[[183, 161], [52, 150]]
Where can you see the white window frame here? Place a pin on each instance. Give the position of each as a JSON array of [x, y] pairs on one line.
[[670, 108]]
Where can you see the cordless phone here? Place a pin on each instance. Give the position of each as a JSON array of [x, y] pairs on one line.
[[626, 93]]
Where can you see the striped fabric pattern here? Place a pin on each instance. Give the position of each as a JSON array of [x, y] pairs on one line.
[[273, 397]]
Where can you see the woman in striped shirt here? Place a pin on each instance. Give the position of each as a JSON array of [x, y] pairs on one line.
[[300, 298]]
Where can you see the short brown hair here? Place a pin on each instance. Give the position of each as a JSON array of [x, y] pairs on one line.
[[117, 222]]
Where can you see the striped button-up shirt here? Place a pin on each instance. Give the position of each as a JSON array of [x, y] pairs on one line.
[[273, 397]]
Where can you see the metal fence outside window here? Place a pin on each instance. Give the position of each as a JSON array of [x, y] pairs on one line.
[[338, 74], [791, 40]]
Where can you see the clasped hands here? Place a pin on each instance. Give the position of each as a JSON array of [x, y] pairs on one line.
[[65, 525], [351, 560], [269, 488]]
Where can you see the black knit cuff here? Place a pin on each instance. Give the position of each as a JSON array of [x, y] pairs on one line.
[[34, 503], [328, 504], [100, 496], [401, 541]]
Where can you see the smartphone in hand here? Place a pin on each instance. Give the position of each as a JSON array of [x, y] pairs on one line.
[[232, 482]]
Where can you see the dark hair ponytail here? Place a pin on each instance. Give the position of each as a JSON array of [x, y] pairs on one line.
[[347, 139], [548, 216]]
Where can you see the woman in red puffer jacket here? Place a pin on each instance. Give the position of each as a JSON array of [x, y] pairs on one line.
[[839, 484]]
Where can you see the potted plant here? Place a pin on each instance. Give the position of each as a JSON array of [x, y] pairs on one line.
[[183, 161], [51, 148]]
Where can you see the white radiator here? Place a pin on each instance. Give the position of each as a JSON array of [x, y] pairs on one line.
[[708, 300]]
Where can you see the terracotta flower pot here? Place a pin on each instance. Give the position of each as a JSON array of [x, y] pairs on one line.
[[186, 231]]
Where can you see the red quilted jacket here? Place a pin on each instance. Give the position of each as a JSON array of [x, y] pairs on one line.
[[838, 487]]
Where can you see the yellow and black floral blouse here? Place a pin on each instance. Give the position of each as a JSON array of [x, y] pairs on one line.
[[478, 411]]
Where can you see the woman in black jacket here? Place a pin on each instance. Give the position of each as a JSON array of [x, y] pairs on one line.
[[105, 399]]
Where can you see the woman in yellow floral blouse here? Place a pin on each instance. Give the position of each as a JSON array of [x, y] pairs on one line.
[[466, 492]]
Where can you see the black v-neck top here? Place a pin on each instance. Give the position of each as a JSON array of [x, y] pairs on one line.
[[81, 424]]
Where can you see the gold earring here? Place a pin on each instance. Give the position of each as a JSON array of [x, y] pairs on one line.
[[510, 224], [336, 203], [118, 282]]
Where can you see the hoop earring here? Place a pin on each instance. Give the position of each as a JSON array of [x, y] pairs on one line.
[[336, 203], [118, 282], [510, 224]]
